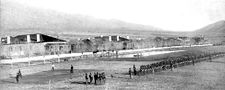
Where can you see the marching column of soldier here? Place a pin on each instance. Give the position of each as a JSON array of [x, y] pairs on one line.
[[173, 63]]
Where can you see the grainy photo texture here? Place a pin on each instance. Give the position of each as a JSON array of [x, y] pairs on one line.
[[112, 44]]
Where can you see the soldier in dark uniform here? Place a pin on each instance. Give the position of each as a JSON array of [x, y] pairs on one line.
[[20, 74], [171, 65], [53, 67], [86, 78], [71, 69], [91, 78], [140, 71], [100, 78], [17, 77], [134, 68], [103, 77], [95, 77], [130, 72]]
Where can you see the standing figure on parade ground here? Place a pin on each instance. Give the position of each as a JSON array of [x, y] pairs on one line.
[[95, 77], [210, 58], [71, 69], [103, 77], [100, 78], [140, 70], [17, 77], [53, 67], [171, 65], [91, 78], [135, 71], [20, 74], [130, 72], [86, 78]]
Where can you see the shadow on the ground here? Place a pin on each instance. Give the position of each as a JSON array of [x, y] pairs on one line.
[[78, 82], [125, 73], [218, 62], [88, 83], [45, 76], [7, 81]]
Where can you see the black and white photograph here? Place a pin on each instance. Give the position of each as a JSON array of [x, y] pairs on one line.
[[112, 44]]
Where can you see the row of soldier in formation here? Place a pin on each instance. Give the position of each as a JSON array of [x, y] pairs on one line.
[[99, 78], [173, 63]]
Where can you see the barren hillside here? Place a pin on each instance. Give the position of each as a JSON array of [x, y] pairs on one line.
[[19, 19]]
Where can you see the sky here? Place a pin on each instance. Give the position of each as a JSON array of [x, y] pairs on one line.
[[174, 15]]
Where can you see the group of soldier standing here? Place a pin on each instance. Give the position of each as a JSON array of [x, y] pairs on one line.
[[99, 78], [134, 71]]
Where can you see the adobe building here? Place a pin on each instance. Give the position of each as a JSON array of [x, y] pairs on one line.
[[112, 42], [85, 45], [113, 38], [32, 45]]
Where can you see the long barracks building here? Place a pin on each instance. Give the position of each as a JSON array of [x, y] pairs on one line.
[[32, 45]]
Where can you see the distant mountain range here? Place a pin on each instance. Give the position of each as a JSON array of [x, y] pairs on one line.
[[213, 29], [215, 32], [16, 18]]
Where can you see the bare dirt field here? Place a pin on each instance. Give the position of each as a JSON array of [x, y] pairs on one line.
[[202, 76]]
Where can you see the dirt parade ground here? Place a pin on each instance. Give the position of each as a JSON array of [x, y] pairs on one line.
[[204, 75]]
